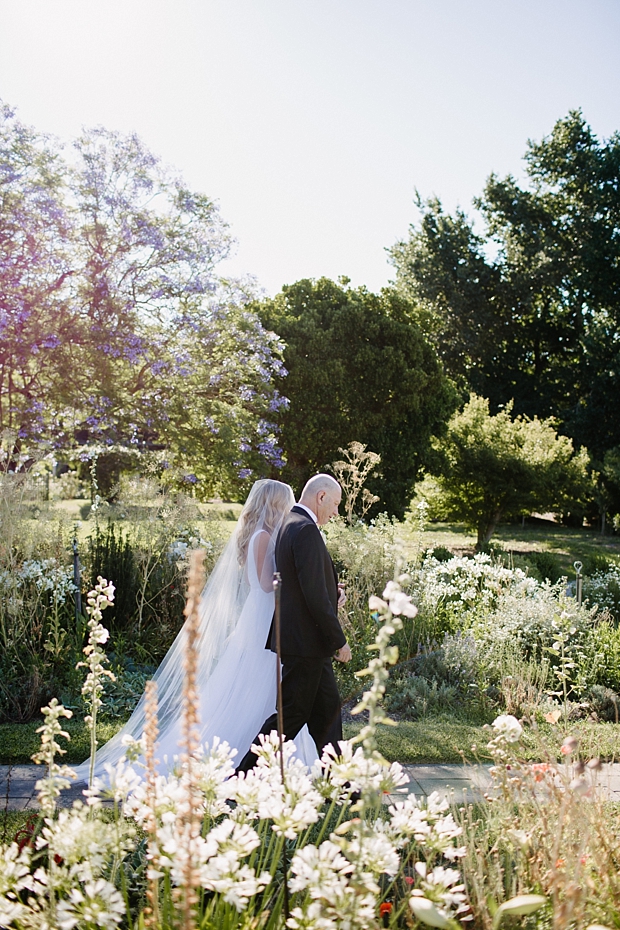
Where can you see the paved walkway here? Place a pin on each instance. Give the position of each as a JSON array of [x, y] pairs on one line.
[[456, 782]]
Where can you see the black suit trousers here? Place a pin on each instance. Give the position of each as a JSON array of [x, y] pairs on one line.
[[309, 696]]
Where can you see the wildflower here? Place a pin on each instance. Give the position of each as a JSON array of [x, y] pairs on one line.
[[508, 727], [399, 603], [99, 905], [540, 769], [348, 770], [568, 746]]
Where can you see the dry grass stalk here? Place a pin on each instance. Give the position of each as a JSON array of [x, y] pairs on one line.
[[151, 731], [190, 739], [351, 473]]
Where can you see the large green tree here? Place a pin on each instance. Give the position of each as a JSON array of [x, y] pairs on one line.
[[359, 369], [530, 309], [493, 467]]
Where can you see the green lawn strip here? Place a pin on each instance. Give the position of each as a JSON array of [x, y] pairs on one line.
[[430, 740], [18, 741], [434, 740]]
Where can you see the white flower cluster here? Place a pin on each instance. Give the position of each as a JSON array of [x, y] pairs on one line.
[[464, 583], [218, 858], [177, 550], [260, 794], [603, 589], [73, 891], [339, 774], [429, 823], [46, 575]]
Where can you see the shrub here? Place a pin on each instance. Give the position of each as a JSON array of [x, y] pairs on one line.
[[603, 589], [546, 566], [413, 697]]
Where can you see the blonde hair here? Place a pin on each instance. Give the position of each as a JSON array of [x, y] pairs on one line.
[[267, 503]]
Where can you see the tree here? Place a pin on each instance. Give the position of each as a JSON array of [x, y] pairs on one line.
[[496, 466], [359, 370], [529, 311], [117, 332], [36, 321]]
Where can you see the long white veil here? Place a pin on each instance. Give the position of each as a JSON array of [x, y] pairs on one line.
[[222, 601]]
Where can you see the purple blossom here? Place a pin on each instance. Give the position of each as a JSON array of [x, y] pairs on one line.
[[278, 402], [190, 479], [245, 473]]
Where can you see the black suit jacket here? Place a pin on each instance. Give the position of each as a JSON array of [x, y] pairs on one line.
[[309, 623]]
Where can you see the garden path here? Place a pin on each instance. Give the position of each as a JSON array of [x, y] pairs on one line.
[[456, 782]]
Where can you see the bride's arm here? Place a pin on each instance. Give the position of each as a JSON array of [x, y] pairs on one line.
[[260, 551]]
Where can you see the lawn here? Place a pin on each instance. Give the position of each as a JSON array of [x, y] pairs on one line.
[[447, 739], [568, 544], [443, 738]]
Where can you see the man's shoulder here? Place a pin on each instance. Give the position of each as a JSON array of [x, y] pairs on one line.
[[297, 517], [298, 523]]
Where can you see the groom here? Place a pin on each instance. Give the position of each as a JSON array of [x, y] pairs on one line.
[[310, 633]]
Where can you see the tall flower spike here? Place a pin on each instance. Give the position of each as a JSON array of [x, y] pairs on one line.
[[191, 822], [150, 738], [98, 599]]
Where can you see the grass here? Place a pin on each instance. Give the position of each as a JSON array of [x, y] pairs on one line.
[[445, 738], [442, 738], [18, 741], [568, 544]]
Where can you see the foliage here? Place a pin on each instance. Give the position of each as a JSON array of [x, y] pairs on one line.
[[540, 835], [359, 369], [538, 322], [414, 697], [494, 466], [42, 637], [108, 272], [603, 588]]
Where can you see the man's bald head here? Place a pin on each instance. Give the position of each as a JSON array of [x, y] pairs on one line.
[[322, 495]]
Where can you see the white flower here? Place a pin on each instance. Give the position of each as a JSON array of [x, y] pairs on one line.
[[98, 905], [14, 871], [321, 870], [291, 806], [508, 727], [340, 773]]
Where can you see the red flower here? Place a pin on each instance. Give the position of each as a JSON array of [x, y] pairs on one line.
[[385, 908]]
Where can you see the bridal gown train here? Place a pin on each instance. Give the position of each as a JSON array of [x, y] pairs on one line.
[[241, 692]]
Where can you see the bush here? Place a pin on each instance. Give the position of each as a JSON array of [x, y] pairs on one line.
[[413, 697], [603, 589], [546, 566]]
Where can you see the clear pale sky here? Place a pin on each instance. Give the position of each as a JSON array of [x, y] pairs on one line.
[[312, 122]]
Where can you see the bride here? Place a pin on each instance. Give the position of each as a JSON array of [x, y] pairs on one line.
[[236, 673]]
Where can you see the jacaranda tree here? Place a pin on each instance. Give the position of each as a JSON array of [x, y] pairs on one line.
[[117, 329]]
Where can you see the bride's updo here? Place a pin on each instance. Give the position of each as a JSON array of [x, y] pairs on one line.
[[267, 503]]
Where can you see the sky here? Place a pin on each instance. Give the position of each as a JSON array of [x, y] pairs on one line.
[[313, 123]]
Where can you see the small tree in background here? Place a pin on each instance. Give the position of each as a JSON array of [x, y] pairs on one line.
[[352, 472], [495, 466]]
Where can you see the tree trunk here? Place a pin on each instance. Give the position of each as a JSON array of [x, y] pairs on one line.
[[486, 529]]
